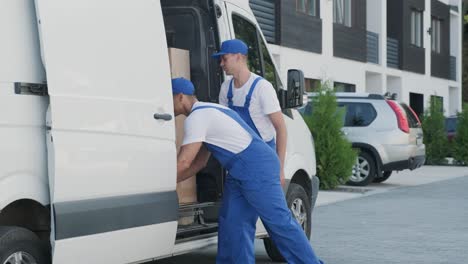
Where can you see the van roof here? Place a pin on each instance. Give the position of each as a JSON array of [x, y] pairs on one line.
[[244, 4]]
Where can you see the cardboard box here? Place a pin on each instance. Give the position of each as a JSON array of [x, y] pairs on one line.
[[187, 190]]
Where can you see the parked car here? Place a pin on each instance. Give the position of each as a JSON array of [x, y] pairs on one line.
[[451, 127], [387, 133]]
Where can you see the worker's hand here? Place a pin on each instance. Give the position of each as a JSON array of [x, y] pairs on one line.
[[283, 181]]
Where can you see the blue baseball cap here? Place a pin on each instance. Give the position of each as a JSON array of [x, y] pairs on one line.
[[182, 86], [232, 46]]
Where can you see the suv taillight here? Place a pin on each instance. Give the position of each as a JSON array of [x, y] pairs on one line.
[[401, 117]]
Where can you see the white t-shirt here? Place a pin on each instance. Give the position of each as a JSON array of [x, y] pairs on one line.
[[215, 127], [264, 101]]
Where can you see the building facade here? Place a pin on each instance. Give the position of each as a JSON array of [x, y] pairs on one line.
[[408, 47]]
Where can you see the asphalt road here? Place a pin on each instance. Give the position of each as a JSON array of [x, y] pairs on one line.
[[414, 224]]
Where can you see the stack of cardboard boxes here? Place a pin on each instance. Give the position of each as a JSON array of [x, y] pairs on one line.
[[186, 190]]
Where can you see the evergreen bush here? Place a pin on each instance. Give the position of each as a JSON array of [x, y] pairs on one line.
[[334, 154], [460, 152], [435, 137]]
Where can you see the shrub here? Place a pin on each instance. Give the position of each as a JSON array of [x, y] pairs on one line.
[[335, 156], [460, 152], [435, 137]]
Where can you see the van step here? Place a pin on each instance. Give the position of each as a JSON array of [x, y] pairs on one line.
[[190, 229], [191, 206]]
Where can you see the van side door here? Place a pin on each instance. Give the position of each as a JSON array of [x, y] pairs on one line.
[[111, 137]]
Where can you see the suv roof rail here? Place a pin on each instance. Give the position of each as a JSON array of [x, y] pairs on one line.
[[360, 95], [353, 95]]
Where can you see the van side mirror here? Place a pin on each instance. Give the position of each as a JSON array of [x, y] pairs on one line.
[[293, 97]]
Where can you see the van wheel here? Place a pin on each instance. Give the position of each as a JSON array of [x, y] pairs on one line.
[[299, 204], [21, 246], [385, 176], [363, 171]]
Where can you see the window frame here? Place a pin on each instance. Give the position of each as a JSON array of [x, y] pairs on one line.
[[416, 30], [309, 5], [344, 85], [436, 33], [346, 15], [312, 85]]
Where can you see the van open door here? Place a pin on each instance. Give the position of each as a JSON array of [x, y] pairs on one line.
[[111, 138]]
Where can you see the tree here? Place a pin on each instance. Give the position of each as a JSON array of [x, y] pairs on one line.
[[435, 137], [335, 156], [460, 153]]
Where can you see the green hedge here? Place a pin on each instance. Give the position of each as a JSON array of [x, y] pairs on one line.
[[435, 137], [460, 143], [335, 156]]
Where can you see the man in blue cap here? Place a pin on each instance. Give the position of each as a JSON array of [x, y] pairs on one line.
[[252, 97], [251, 188]]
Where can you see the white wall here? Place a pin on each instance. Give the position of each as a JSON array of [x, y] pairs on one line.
[[316, 66], [374, 83], [394, 86]]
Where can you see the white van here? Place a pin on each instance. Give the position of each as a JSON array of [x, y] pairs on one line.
[[87, 139]]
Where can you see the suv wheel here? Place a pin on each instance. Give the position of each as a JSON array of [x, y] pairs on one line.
[[363, 171], [385, 176], [299, 204], [21, 246]]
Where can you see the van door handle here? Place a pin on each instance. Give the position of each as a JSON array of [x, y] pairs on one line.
[[165, 117]]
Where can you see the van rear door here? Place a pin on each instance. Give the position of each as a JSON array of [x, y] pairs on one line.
[[111, 138]]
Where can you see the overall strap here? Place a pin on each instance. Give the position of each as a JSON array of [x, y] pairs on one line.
[[232, 114], [229, 94], [252, 88]]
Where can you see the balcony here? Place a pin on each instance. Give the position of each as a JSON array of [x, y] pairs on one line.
[[265, 13], [393, 56], [372, 47]]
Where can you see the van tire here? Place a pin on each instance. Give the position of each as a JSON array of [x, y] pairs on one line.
[[18, 240], [298, 198], [364, 170], [385, 176]]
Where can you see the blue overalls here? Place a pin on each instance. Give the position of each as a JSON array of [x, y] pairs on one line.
[[244, 112], [252, 188]]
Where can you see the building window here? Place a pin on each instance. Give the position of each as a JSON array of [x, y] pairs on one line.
[[435, 34], [342, 12], [308, 7], [312, 85], [344, 87], [438, 101], [416, 28]]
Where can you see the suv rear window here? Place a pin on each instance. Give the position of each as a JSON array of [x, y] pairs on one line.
[[358, 114], [412, 119]]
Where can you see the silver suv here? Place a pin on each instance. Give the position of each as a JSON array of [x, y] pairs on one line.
[[387, 134]]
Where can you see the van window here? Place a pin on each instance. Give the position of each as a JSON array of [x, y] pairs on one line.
[[246, 31], [358, 114], [270, 72]]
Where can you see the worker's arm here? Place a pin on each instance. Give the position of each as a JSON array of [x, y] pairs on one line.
[[281, 138], [191, 159]]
